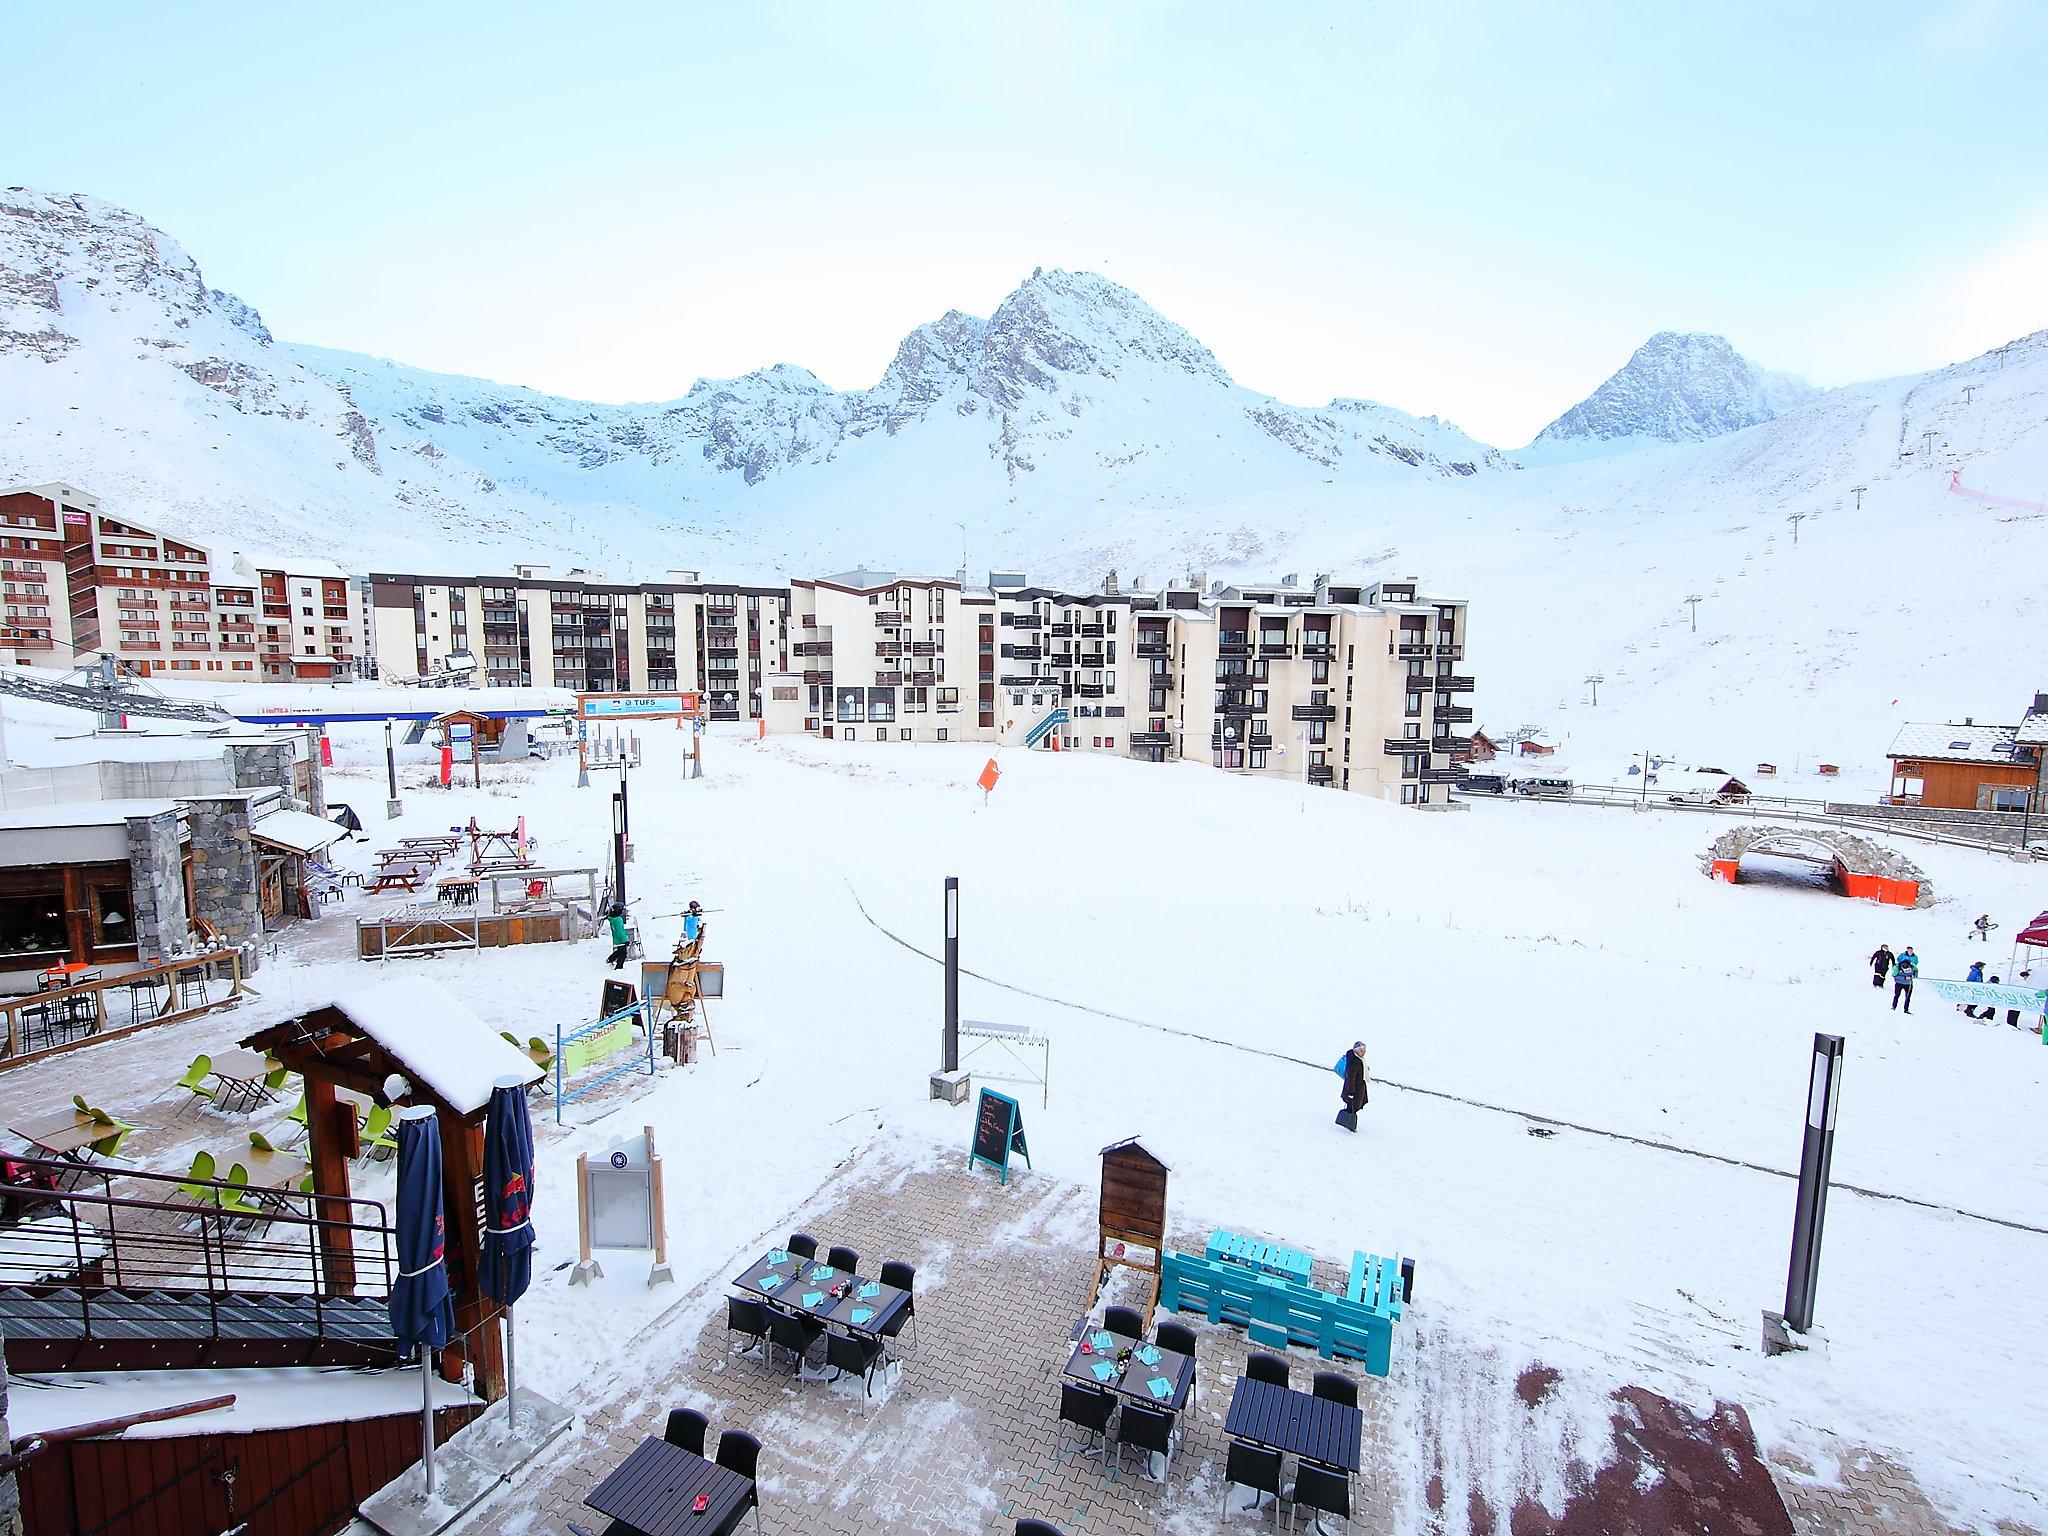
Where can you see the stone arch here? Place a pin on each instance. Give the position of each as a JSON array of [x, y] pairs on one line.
[[1867, 869]]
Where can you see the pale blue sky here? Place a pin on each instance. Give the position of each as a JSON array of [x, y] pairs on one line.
[[1475, 210]]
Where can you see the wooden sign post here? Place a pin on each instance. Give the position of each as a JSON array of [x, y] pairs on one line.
[[1133, 1212], [998, 1131]]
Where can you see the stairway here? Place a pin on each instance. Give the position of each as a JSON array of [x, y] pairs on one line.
[[64, 1328], [1045, 727]]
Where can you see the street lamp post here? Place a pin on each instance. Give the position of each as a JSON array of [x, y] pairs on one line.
[[393, 806], [949, 1045], [1823, 1100]]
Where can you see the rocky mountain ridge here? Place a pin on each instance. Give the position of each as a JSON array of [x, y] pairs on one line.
[[1680, 388]]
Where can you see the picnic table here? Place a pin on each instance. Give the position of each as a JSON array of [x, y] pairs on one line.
[[240, 1074], [803, 1287], [1158, 1378], [401, 877], [268, 1171], [457, 890], [1316, 1429], [654, 1491]]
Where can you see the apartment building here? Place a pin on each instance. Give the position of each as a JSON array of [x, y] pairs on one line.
[[880, 656], [161, 605], [1350, 685], [532, 628]]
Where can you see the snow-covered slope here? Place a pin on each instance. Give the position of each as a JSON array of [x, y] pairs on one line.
[[1677, 389], [1074, 431]]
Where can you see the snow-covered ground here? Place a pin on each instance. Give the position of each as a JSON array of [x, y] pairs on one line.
[[1201, 948]]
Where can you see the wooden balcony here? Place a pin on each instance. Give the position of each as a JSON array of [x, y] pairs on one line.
[[1321, 773], [1452, 684], [1404, 746], [1456, 714], [1313, 712]]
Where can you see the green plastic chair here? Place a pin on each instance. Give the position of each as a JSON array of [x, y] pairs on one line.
[[258, 1142], [118, 1131], [78, 1103], [377, 1139], [509, 1038], [195, 1186], [236, 1202], [275, 1077], [194, 1080]]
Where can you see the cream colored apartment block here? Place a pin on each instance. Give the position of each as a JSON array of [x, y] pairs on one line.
[[529, 627], [1344, 684]]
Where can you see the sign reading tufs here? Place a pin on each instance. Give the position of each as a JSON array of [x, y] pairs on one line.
[[989, 776], [998, 1131], [638, 706]]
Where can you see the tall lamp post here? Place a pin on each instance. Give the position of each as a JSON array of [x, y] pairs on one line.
[[949, 1046], [393, 806], [1823, 1100], [619, 845]]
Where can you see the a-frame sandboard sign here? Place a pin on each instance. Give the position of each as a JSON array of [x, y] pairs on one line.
[[998, 1131], [1133, 1213]]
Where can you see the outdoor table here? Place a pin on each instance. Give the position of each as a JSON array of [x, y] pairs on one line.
[[68, 1136], [58, 975], [240, 1074], [457, 890], [799, 1278], [1134, 1378], [1281, 1419], [652, 1491], [401, 877], [268, 1171]]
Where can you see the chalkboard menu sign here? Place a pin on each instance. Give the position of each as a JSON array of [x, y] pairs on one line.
[[618, 997], [998, 1131]]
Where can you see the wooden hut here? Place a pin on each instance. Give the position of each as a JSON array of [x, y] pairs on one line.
[[409, 1028], [1133, 1213]]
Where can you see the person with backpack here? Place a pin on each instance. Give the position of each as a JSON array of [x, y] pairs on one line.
[[622, 938], [1357, 1085], [1905, 971], [1880, 964]]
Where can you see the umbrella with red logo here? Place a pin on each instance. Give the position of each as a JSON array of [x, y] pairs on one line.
[[506, 1261]]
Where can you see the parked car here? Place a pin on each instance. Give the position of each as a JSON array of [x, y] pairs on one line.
[[1483, 784], [1544, 789]]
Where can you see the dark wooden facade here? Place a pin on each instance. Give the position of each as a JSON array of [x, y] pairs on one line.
[[1132, 1213], [60, 912], [280, 1482], [1957, 786]]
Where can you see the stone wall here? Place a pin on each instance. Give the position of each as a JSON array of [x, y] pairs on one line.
[[224, 878], [156, 878]]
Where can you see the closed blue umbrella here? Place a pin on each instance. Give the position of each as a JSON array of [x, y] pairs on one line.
[[507, 1258], [422, 1307]]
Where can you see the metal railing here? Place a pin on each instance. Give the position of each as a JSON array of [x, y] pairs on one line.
[[166, 1233], [38, 1023]]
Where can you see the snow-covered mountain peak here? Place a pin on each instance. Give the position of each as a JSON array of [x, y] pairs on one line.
[[1679, 387]]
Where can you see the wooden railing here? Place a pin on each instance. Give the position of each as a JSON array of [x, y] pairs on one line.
[[40, 1024]]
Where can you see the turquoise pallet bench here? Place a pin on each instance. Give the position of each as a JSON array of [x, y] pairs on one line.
[[1277, 1311], [1269, 1258]]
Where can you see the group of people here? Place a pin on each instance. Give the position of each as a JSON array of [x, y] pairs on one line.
[[1903, 970]]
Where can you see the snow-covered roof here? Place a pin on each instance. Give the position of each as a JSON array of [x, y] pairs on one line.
[[437, 1039], [83, 813], [284, 1398], [862, 578], [1955, 743], [298, 831], [2033, 730]]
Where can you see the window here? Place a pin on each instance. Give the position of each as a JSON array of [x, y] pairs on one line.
[[852, 707], [1319, 671], [882, 706], [942, 733], [113, 915], [1408, 794], [1017, 699], [1414, 704], [914, 701], [1109, 742], [33, 925], [1258, 756], [903, 734], [949, 702], [2008, 799]]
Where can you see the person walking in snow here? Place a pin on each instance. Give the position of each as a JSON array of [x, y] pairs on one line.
[[1983, 926], [1976, 973], [1357, 1085], [1880, 964], [622, 938], [1905, 971]]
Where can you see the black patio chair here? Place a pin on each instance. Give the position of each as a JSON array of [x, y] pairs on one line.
[[1089, 1407], [1178, 1337], [844, 1258], [740, 1452], [1267, 1368], [1038, 1528], [687, 1428], [901, 1275], [1337, 1387], [795, 1334], [802, 1244], [1150, 1430], [1253, 1467], [1323, 1490], [1124, 1321], [745, 1315], [847, 1354]]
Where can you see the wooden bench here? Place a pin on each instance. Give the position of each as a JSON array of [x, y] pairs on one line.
[[1270, 1258], [1277, 1311]]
